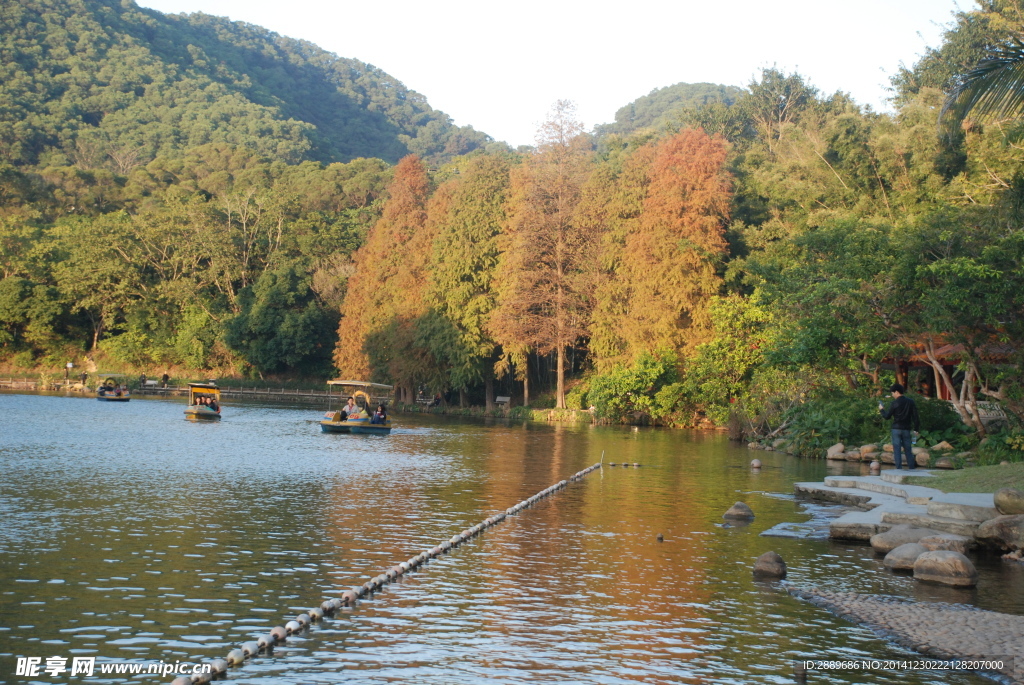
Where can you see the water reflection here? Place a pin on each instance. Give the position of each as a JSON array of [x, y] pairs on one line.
[[131, 534]]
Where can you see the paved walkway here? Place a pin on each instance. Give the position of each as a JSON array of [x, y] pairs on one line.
[[944, 631]]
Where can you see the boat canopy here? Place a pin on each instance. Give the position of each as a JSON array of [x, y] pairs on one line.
[[363, 392], [200, 389], [362, 384]]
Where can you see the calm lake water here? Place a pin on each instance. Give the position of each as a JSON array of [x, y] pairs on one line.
[[129, 533]]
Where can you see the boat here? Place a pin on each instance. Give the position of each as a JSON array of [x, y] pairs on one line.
[[112, 389], [199, 394], [366, 397]]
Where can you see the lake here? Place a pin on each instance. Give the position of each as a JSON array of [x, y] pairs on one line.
[[129, 533]]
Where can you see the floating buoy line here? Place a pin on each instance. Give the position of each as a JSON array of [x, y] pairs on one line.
[[279, 634]]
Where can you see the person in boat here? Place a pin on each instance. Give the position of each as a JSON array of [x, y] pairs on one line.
[[379, 416], [213, 404], [350, 408]]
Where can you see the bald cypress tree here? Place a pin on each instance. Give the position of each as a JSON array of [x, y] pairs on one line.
[[386, 293], [547, 264], [663, 258]]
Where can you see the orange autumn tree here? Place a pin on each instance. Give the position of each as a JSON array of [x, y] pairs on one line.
[[663, 255], [385, 293], [545, 273]]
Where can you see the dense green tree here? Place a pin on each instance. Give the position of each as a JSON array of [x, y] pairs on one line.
[[464, 269], [281, 327]]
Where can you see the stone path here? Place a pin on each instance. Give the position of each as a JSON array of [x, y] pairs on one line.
[[885, 501], [944, 631]]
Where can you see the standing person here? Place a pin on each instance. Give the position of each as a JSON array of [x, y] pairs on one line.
[[903, 413]]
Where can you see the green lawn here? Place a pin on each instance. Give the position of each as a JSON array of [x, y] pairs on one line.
[[976, 479]]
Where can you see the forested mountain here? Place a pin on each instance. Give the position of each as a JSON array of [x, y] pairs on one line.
[[662, 107], [96, 83]]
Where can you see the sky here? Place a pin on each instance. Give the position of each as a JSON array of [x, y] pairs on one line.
[[499, 66]]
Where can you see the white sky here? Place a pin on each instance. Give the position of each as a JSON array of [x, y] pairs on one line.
[[500, 66]]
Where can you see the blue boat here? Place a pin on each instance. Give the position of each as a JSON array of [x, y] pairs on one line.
[[365, 395], [112, 389]]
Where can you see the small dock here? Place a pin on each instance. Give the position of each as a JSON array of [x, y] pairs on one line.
[[250, 393]]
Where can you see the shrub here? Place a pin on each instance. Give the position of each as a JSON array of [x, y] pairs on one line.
[[817, 424], [624, 390]]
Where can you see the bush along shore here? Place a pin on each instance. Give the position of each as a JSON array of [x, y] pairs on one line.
[[851, 429]]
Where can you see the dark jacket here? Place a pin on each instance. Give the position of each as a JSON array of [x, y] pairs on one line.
[[903, 413]]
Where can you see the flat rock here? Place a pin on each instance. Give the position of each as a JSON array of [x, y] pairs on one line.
[[851, 456], [887, 447], [943, 447], [1009, 501], [899, 535], [739, 511], [866, 449], [944, 463], [969, 506], [1002, 532], [770, 565], [945, 567], [948, 542], [903, 557]]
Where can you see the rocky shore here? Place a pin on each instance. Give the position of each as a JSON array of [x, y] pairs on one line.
[[945, 631], [939, 456]]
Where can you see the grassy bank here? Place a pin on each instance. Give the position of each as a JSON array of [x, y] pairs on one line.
[[517, 413], [977, 479]]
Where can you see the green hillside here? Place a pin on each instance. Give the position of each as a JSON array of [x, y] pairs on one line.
[[108, 83], [665, 106]]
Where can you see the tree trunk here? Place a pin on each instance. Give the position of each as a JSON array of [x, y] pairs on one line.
[[462, 398], [97, 331], [968, 412], [526, 381], [489, 393], [901, 377], [560, 387]]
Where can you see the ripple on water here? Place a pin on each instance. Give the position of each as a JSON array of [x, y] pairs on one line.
[[217, 533]]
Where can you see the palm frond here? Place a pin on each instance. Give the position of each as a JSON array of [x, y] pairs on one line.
[[992, 90]]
